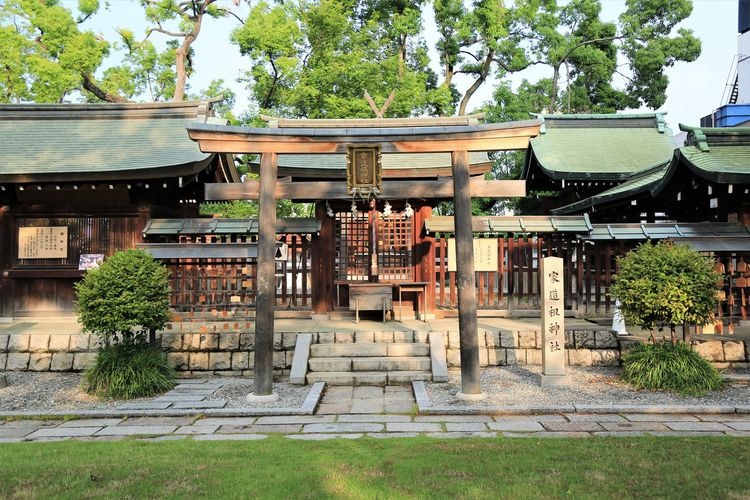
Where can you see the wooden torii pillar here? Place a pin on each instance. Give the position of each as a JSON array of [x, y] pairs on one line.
[[455, 135]]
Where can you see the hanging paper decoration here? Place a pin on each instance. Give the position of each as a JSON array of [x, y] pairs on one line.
[[329, 212], [408, 211], [387, 209], [354, 207]]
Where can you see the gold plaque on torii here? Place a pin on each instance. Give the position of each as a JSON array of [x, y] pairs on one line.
[[363, 168]]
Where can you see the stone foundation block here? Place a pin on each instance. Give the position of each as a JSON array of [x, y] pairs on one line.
[[721, 365], [247, 341], [229, 342], [61, 362], [605, 357], [492, 339], [279, 360], [288, 340], [3, 361], [326, 337], [570, 341], [585, 340], [496, 357], [240, 360], [453, 357], [579, 357], [277, 340], [38, 343], [509, 339], [40, 361], [79, 343], [342, 338], [171, 341], [59, 343], [219, 361], [483, 356], [454, 340], [711, 350], [191, 341], [180, 360], [17, 361], [733, 366], [199, 361], [734, 351], [403, 336], [533, 356], [605, 340], [516, 356], [383, 336], [527, 340], [82, 360], [4, 343], [18, 343], [421, 337], [209, 342], [364, 337]]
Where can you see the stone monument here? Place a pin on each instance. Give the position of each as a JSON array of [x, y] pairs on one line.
[[553, 323]]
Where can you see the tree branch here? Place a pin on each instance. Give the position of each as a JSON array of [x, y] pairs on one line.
[[179, 34], [92, 87]]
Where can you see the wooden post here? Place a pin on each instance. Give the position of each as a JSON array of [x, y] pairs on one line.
[[322, 250], [465, 281], [266, 291], [426, 258], [7, 228]]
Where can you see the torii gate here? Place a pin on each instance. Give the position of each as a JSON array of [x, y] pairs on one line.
[[455, 135]]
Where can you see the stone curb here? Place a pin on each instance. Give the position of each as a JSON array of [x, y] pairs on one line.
[[308, 408], [425, 406]]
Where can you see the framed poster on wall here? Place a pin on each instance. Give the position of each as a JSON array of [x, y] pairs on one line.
[[49, 242]]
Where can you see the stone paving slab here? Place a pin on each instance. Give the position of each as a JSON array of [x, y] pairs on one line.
[[145, 406], [136, 430], [739, 426], [16, 432], [546, 434], [697, 426], [323, 437], [573, 426], [63, 432], [296, 419], [453, 435], [399, 407], [737, 417], [516, 425], [174, 398], [738, 433], [229, 437], [11, 440], [197, 429], [374, 418], [158, 421], [367, 406], [26, 424], [91, 422], [620, 434], [453, 418], [386, 435], [687, 433], [225, 421], [591, 417], [634, 426], [343, 427], [667, 417], [413, 427], [201, 405], [260, 429], [466, 427]]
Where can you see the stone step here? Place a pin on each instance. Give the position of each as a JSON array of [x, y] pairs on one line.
[[369, 350], [368, 364], [368, 378]]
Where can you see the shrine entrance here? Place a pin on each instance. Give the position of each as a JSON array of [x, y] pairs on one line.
[[371, 242]]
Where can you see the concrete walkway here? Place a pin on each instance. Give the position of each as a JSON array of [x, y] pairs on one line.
[[354, 426]]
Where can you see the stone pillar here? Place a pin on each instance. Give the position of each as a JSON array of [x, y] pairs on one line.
[[553, 323]]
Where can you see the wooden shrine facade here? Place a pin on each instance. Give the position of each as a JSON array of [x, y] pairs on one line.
[[79, 182]]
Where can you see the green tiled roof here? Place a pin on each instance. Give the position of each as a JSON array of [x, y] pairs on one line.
[[226, 226], [649, 180], [81, 141], [600, 146], [719, 154], [513, 224]]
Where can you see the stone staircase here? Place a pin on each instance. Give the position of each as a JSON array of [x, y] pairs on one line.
[[391, 360]]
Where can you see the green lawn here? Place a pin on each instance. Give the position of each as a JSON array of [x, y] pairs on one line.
[[711, 467]]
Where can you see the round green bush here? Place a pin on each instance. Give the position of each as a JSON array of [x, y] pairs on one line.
[[124, 299], [125, 371], [667, 366]]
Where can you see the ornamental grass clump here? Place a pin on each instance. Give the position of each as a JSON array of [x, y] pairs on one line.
[[123, 302], [672, 367]]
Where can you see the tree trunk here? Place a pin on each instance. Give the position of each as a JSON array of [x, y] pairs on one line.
[[486, 65], [181, 56]]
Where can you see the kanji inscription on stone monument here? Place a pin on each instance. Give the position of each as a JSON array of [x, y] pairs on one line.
[[553, 323]]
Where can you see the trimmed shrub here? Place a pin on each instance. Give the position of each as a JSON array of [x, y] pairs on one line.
[[125, 371], [124, 299], [672, 367], [665, 283]]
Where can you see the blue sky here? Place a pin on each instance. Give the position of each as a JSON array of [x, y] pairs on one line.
[[695, 89]]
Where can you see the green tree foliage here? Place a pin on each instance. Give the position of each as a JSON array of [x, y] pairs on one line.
[[667, 284], [124, 299]]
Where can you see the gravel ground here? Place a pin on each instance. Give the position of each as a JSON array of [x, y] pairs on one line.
[[44, 391], [517, 386]]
